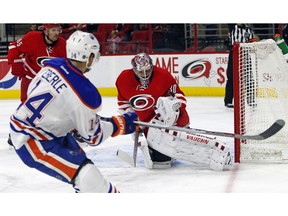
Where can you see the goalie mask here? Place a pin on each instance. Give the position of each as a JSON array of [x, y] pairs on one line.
[[143, 67], [80, 45]]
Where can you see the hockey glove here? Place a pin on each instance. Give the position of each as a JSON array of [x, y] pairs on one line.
[[123, 124], [77, 136], [168, 109], [18, 68]]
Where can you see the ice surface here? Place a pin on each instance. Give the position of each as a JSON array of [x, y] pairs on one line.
[[183, 178]]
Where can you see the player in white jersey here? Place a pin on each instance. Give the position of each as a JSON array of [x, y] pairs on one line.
[[60, 100]]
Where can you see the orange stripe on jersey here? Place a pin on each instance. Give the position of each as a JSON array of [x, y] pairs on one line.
[[69, 171], [93, 141], [23, 127]]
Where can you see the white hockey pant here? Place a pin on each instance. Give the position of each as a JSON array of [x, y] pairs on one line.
[[190, 147], [90, 180]]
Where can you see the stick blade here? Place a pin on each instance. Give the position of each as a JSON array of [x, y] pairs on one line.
[[275, 128], [125, 157]]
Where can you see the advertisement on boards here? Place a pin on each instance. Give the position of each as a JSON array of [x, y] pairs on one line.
[[197, 74]]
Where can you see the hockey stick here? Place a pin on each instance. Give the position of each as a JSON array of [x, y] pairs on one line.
[[125, 156], [135, 149], [273, 129]]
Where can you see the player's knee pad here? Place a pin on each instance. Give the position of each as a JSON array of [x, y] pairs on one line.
[[90, 180]]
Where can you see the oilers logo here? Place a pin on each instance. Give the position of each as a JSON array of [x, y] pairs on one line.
[[142, 102]]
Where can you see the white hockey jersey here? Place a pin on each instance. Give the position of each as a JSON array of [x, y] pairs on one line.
[[60, 99]]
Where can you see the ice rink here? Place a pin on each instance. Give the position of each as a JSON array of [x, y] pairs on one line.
[[183, 178]]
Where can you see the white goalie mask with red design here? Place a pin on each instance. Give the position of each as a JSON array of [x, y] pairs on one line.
[[143, 67]]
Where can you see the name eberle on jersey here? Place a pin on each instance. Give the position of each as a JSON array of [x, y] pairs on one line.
[[56, 82]]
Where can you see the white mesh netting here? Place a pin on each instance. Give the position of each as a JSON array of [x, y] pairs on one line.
[[263, 97]]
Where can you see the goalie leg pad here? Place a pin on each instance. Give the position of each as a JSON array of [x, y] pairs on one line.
[[220, 154], [148, 160], [189, 147], [220, 158], [90, 180]]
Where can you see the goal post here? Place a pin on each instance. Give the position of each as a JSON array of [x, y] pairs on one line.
[[260, 98]]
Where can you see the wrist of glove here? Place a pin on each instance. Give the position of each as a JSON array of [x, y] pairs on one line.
[[124, 124], [77, 136]]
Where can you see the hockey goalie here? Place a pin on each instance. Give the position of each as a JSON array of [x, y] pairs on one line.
[[155, 96]]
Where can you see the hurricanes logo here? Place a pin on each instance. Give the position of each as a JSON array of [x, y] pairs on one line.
[[41, 60], [142, 102], [4, 72], [196, 69]]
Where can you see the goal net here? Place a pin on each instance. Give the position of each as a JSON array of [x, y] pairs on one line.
[[260, 98]]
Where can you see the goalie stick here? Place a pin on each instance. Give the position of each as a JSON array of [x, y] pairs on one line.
[[135, 149], [125, 156], [273, 129]]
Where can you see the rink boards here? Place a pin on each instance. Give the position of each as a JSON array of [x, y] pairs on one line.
[[201, 74]]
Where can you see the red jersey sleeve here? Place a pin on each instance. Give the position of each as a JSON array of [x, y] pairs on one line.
[[20, 46], [13, 51], [123, 88]]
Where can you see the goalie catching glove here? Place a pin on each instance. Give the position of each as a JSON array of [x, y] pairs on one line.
[[168, 110], [124, 124]]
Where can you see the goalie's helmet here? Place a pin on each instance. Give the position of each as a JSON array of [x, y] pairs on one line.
[[143, 67], [80, 45]]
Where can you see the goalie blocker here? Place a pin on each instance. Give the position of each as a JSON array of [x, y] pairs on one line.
[[184, 146]]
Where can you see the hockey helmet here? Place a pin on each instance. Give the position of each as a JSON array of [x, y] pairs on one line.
[[142, 66], [80, 45], [50, 25]]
